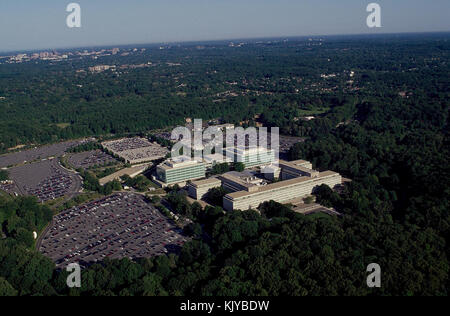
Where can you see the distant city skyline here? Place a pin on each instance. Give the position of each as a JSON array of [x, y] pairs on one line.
[[26, 25], [236, 41]]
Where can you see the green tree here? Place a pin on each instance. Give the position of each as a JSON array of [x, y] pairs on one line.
[[4, 175], [6, 289], [239, 166]]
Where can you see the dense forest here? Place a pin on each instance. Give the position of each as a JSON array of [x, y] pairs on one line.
[[387, 130], [48, 101]]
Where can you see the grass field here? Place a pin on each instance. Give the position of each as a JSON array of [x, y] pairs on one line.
[[319, 215], [63, 125], [313, 112]]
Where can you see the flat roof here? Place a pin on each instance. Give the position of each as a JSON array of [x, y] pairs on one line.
[[179, 163], [281, 184], [205, 182], [217, 157], [294, 164], [248, 151], [297, 162], [246, 179], [297, 165]]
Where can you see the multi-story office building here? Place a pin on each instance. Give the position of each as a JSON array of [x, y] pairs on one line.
[[214, 159], [279, 192], [271, 172], [295, 169], [198, 189], [180, 170], [241, 181], [251, 157]]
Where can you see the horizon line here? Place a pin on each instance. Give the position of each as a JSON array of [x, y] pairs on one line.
[[216, 40]]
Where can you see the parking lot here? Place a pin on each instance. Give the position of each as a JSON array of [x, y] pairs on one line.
[[125, 144], [118, 226], [286, 142], [46, 180], [7, 186], [90, 159], [136, 150], [30, 155]]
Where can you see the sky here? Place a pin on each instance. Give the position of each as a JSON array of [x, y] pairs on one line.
[[41, 24]]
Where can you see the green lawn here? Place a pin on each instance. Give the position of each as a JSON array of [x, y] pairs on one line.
[[313, 112], [63, 125]]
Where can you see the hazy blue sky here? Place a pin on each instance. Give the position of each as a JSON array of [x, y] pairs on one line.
[[32, 24]]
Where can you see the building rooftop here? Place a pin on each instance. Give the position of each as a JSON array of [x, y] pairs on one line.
[[248, 150], [206, 182], [246, 178], [179, 162], [299, 162], [219, 158], [300, 165], [281, 184]]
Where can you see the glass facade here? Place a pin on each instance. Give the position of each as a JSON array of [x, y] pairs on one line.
[[182, 174], [252, 159]]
